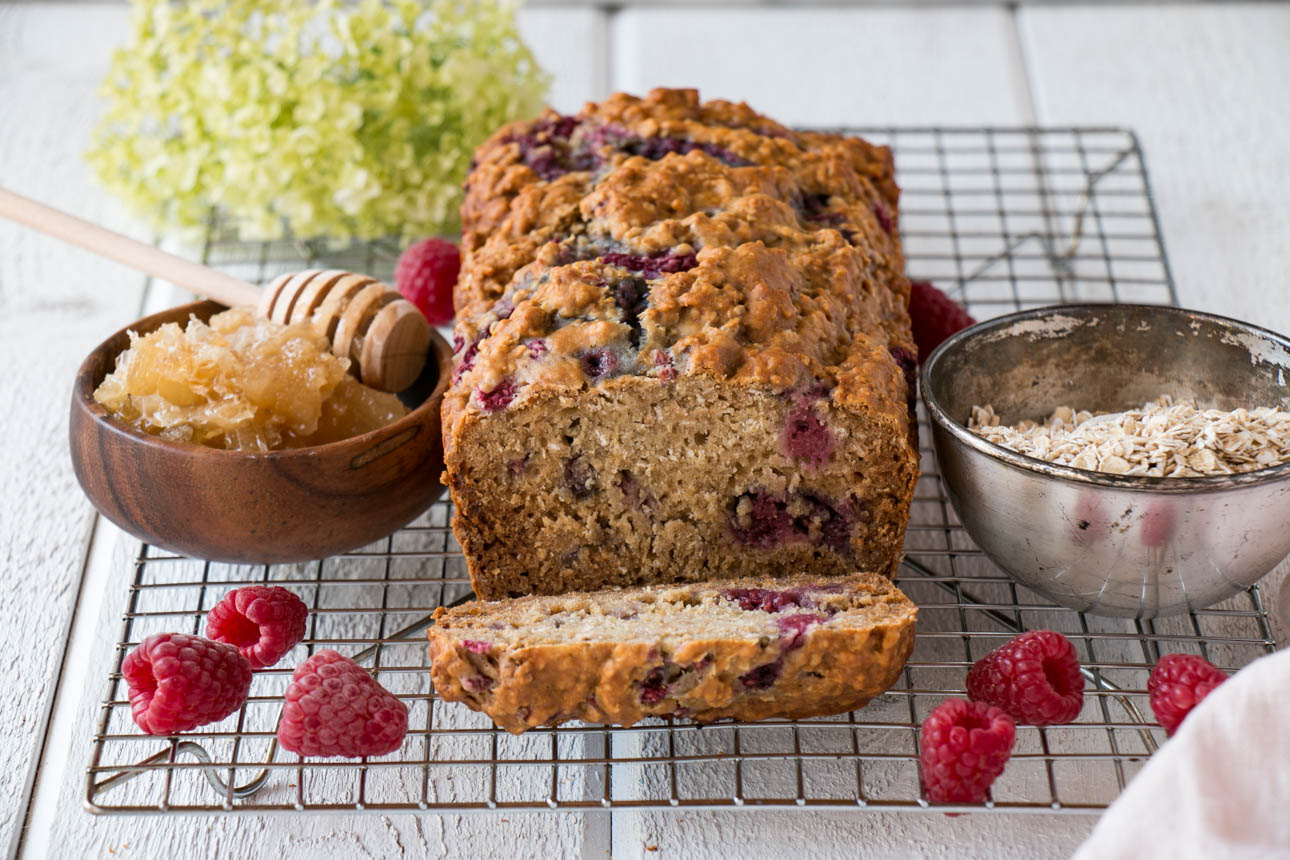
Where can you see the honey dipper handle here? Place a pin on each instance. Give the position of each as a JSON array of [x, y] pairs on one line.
[[202, 280]]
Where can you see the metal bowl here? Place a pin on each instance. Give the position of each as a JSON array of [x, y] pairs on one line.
[[1101, 543]]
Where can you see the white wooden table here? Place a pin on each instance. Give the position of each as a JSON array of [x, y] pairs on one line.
[[1204, 85]]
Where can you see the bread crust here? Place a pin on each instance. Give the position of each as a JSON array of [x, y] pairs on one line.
[[831, 669]]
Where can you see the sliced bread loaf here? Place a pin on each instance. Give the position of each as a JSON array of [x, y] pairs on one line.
[[746, 648], [683, 352]]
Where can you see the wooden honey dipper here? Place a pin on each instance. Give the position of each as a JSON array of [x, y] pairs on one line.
[[383, 335]]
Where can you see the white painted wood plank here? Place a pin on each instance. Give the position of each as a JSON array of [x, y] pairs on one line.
[[572, 45], [831, 66], [756, 833], [1205, 88], [55, 304]]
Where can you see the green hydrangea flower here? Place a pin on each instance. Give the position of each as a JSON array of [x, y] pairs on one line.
[[328, 118]]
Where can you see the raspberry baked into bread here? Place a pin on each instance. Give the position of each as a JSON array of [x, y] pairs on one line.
[[683, 352], [748, 649]]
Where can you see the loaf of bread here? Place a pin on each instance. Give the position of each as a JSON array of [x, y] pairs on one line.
[[748, 649], [683, 352]]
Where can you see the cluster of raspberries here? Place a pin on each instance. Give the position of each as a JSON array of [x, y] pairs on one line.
[[1034, 679], [178, 681]]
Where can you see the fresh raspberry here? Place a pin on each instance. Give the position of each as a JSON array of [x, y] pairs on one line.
[[1035, 678], [264, 622], [178, 682], [934, 316], [426, 274], [964, 746], [1177, 684], [335, 708], [499, 398], [805, 437]]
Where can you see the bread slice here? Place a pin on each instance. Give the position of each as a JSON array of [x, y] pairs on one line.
[[749, 649]]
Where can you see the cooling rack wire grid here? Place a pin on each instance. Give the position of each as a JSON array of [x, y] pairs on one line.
[[1003, 220]]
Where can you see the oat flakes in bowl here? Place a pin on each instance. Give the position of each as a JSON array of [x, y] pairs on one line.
[[1162, 439]]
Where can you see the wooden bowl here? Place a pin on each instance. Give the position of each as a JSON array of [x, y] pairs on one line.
[[249, 507]]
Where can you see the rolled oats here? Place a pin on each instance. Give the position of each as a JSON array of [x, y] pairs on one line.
[[1162, 439]]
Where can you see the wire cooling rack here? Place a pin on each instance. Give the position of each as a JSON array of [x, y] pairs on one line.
[[1003, 219]]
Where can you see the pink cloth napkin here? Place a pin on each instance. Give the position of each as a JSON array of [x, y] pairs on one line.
[[1220, 787]]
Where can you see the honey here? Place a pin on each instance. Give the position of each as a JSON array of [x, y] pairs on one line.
[[242, 382]]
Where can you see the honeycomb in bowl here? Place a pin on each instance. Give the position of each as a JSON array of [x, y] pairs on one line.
[[241, 382]]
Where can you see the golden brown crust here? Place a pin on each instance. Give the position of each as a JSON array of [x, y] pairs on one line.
[[621, 670], [502, 172], [785, 244]]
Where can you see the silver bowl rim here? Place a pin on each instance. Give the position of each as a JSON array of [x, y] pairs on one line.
[[1212, 483]]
